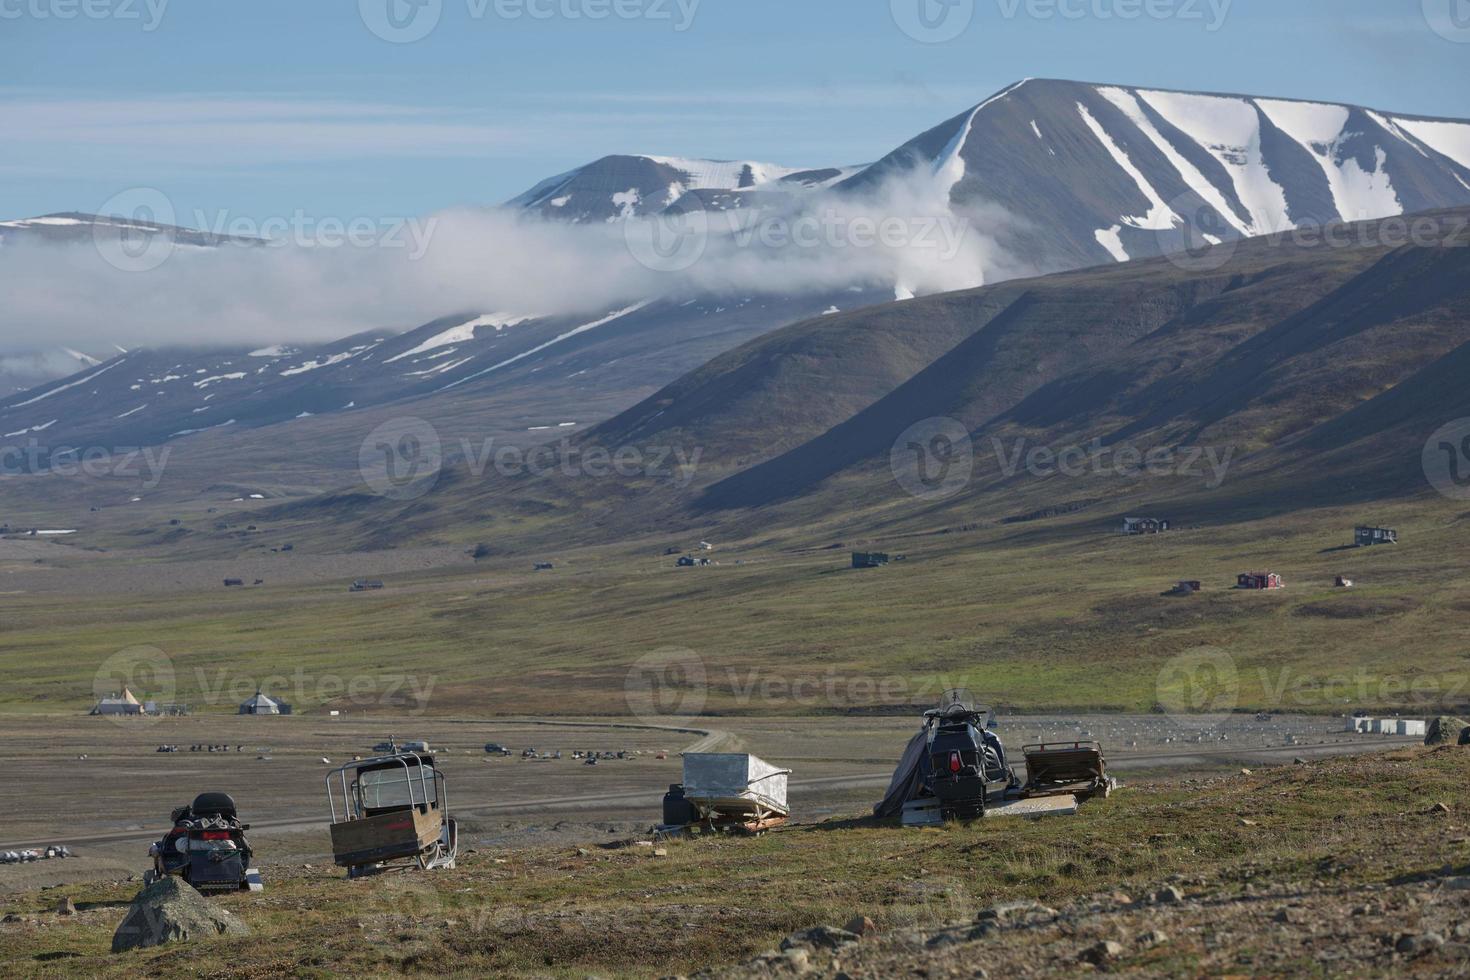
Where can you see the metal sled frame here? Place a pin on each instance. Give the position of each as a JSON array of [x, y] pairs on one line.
[[418, 831]]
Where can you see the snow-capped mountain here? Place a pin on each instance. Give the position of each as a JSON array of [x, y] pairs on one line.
[[26, 369], [150, 397], [71, 227], [1093, 173], [619, 187]]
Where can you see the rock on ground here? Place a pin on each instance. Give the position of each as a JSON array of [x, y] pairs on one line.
[[169, 911], [1446, 730]]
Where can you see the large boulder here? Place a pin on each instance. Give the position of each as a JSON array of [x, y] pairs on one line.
[[1445, 730], [169, 911]]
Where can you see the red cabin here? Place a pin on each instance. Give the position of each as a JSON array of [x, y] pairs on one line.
[[1259, 580]]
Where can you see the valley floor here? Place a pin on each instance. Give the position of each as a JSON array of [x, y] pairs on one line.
[[1352, 866]]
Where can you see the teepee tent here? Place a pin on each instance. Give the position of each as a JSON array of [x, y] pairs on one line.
[[261, 704], [118, 704]]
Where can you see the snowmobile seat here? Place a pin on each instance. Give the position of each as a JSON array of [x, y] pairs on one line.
[[214, 805]]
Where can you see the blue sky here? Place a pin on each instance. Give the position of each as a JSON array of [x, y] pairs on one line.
[[271, 107]]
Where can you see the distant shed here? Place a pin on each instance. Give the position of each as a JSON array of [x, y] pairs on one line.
[[1366, 537]]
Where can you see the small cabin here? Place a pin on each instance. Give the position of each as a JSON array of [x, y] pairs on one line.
[[869, 559], [1188, 587], [1259, 580], [365, 585], [1144, 525], [1366, 537]]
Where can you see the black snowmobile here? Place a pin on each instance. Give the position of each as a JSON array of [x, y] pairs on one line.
[[965, 765], [207, 847]]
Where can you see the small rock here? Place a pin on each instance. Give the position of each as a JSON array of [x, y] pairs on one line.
[[1013, 912], [1245, 822], [660, 852], [1418, 945], [861, 926], [1298, 761], [1103, 952], [583, 852], [66, 907], [1245, 772], [1460, 884], [797, 958], [1439, 808], [824, 937], [1120, 898], [1168, 895], [1153, 937]]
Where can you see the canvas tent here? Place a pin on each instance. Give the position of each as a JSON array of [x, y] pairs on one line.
[[118, 704], [261, 704]]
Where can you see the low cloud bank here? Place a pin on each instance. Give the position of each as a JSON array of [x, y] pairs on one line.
[[323, 278]]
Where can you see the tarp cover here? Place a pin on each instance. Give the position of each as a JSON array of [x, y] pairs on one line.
[[714, 777], [906, 781]]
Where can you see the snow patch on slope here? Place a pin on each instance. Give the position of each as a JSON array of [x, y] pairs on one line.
[[1230, 129], [1357, 194], [1127, 103], [462, 334], [555, 340], [1450, 139]]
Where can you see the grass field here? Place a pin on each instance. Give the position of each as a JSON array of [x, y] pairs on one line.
[[624, 911], [1058, 613]]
